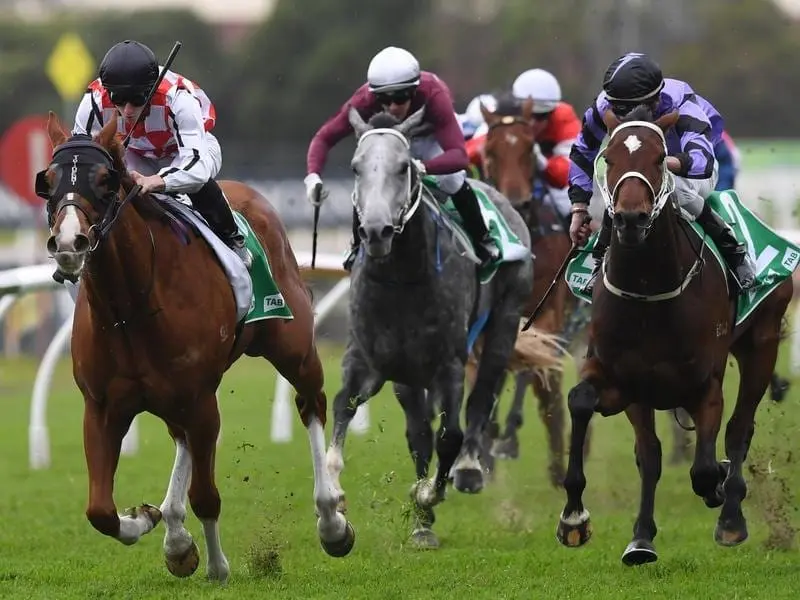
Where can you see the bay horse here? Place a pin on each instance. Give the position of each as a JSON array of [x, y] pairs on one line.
[[413, 298], [663, 323], [509, 164], [155, 329]]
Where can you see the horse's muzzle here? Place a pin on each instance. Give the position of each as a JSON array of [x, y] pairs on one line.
[[631, 227], [69, 255], [377, 238]]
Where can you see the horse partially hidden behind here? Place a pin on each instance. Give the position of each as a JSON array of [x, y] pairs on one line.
[[155, 329], [662, 326], [413, 296], [509, 164]]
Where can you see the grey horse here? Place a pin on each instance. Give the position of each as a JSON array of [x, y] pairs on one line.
[[413, 297]]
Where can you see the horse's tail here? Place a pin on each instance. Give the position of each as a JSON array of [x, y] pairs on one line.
[[535, 350]]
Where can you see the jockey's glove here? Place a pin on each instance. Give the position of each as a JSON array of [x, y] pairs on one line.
[[315, 192]]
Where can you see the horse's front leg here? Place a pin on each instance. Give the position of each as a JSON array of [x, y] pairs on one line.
[[103, 430], [574, 526], [706, 473], [648, 460]]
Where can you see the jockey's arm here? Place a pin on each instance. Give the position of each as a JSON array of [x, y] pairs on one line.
[[439, 112], [697, 151], [89, 117], [583, 153], [331, 133], [192, 166]]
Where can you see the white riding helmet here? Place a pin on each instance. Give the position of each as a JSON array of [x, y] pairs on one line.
[[472, 118], [392, 69], [540, 85]]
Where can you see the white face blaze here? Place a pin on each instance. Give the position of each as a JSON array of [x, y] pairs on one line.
[[70, 228], [632, 143]]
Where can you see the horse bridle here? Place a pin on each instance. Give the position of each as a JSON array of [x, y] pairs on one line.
[[75, 186], [667, 180], [660, 199], [415, 187]]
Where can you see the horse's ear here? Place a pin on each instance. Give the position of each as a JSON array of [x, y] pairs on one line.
[[106, 136], [488, 115], [412, 122], [668, 120], [611, 121], [55, 130], [359, 126], [527, 109]]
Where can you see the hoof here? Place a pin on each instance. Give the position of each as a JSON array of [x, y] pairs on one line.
[[575, 533], [730, 537], [639, 552], [341, 547], [185, 564], [505, 449], [468, 481], [424, 539]]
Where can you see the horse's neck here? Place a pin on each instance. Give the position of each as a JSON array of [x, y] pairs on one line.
[[410, 257], [119, 274], [659, 264]]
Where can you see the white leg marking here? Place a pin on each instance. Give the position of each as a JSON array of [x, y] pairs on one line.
[[335, 465], [133, 527], [425, 491], [177, 539], [331, 524], [217, 566], [576, 518]]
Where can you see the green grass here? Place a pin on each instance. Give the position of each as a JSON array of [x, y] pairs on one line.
[[499, 544]]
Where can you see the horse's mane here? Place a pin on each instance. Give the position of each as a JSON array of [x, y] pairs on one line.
[[383, 120], [641, 112]]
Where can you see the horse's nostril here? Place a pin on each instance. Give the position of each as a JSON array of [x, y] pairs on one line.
[[387, 232], [81, 243], [52, 247], [362, 233], [643, 216]]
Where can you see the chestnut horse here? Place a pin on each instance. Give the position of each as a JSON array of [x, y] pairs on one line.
[[156, 327], [509, 164], [663, 323]]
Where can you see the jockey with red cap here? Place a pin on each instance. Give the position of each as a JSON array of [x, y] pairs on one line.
[[171, 147], [396, 85]]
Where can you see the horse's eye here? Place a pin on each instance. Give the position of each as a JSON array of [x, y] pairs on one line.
[[355, 168], [404, 168]]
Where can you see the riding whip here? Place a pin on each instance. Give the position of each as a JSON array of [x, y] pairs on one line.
[[559, 274], [317, 204], [173, 53]]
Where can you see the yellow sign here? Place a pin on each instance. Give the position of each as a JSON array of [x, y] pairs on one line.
[[70, 67]]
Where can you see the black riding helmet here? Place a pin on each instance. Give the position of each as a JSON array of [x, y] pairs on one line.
[[633, 79], [128, 71]]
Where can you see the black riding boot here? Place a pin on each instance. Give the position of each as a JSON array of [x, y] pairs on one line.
[[467, 205], [210, 202], [734, 253], [353, 254], [599, 250]]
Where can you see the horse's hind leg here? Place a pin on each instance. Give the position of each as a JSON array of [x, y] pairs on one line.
[[180, 550], [508, 444], [551, 411], [419, 436], [648, 460], [358, 386], [756, 355], [499, 339], [103, 430], [202, 430]]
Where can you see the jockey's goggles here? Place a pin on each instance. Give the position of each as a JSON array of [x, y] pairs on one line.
[[123, 96], [396, 97]]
